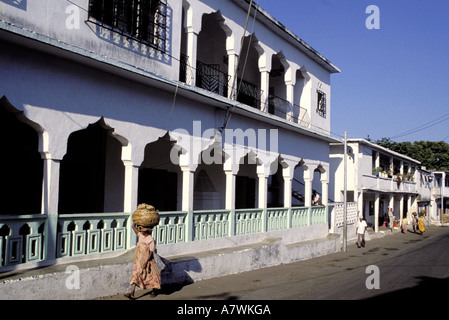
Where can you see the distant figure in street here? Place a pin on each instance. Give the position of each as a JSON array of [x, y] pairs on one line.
[[391, 219], [360, 231], [146, 274], [414, 222], [316, 199], [404, 225]]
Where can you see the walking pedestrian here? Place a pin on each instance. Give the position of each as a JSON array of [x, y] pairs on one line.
[[360, 231], [146, 274], [414, 222], [404, 225], [391, 219]]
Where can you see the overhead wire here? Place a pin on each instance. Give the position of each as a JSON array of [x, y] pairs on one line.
[[236, 90], [423, 127]]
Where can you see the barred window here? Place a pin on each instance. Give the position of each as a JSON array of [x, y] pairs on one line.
[[143, 20], [321, 105]]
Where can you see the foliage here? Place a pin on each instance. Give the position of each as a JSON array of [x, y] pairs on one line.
[[434, 155]]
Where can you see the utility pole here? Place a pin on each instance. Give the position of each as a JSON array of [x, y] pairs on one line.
[[345, 209]]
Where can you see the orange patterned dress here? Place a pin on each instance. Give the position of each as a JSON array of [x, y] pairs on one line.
[[146, 274]]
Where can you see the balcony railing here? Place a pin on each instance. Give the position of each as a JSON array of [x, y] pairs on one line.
[[291, 112], [211, 78], [248, 93], [26, 239], [174, 227]]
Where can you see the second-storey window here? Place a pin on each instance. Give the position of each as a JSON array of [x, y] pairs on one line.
[[143, 20], [321, 105]]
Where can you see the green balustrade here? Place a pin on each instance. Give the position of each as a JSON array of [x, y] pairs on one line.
[[27, 238]]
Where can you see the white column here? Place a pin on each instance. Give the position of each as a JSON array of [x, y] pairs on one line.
[[287, 174], [188, 175], [262, 187], [290, 95], [192, 43], [232, 68], [308, 177], [50, 198], [401, 209], [409, 205], [230, 190], [131, 184], [50, 186], [376, 212], [360, 203], [443, 186], [264, 88]]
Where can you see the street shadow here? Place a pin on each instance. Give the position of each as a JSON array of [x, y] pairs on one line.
[[175, 273], [428, 288]]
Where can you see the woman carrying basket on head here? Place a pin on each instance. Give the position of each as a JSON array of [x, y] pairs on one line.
[[146, 274]]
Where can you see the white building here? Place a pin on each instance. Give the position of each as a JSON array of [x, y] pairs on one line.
[[377, 179], [440, 195], [107, 104]]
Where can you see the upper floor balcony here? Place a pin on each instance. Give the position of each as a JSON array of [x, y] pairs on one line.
[[440, 184], [201, 44]]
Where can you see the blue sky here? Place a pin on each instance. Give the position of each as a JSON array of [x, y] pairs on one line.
[[394, 81]]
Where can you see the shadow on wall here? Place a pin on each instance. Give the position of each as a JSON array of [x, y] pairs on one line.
[[160, 50], [175, 273], [20, 4]]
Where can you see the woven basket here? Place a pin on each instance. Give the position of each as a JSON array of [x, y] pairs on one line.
[[146, 216]]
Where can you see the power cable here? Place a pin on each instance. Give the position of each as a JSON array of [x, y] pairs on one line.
[[229, 110], [423, 126]]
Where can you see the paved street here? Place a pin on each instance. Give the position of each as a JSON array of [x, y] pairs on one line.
[[408, 264]]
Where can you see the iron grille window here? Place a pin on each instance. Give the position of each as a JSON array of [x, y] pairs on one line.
[[321, 105], [143, 20]]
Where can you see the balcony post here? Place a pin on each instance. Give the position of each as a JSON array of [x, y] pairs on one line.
[[376, 212], [307, 187], [264, 88], [192, 42], [232, 68], [50, 196]]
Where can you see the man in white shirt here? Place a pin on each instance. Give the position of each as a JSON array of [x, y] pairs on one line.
[[360, 231]]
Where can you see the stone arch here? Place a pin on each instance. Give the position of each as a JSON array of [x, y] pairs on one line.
[[212, 47], [248, 75], [21, 163], [160, 176], [277, 97], [92, 172], [210, 180]]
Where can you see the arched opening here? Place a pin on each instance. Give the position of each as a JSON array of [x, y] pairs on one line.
[[21, 164], [277, 98], [298, 186], [92, 173], [275, 196], [212, 64], [158, 177], [210, 181], [246, 183], [248, 75], [317, 185], [301, 100]]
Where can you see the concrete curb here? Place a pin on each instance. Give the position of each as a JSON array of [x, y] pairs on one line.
[[110, 279]]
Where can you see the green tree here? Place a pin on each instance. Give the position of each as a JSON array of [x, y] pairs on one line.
[[434, 155]]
